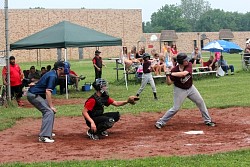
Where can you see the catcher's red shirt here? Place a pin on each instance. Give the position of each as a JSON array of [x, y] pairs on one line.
[[91, 103]]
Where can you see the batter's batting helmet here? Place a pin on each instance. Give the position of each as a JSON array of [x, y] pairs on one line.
[[145, 55], [182, 57]]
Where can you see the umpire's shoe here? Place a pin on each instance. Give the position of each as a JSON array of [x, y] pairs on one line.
[[46, 139], [92, 135]]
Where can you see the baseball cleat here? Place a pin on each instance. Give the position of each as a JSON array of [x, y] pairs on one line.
[[158, 125], [46, 140], [91, 135], [104, 133], [212, 124]]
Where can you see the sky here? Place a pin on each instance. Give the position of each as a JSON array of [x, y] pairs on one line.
[[148, 6]]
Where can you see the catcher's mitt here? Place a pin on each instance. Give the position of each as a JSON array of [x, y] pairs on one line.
[[132, 99]]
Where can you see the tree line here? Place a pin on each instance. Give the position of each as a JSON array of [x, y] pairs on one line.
[[195, 16]]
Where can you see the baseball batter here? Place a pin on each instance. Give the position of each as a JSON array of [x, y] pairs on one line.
[[181, 77]]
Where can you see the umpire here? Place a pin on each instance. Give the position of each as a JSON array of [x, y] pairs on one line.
[[39, 96]]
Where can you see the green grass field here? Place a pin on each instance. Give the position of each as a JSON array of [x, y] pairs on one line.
[[223, 92]]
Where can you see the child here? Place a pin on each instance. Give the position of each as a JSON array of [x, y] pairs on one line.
[[147, 76]]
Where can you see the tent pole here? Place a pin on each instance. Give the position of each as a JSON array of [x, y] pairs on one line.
[[7, 48], [66, 77]]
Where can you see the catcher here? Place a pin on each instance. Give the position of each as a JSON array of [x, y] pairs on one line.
[[93, 110]]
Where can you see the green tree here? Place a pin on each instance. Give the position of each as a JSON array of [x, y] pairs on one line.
[[193, 9], [217, 19], [169, 17], [245, 22]]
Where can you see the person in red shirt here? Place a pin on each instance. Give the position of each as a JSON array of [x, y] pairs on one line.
[[93, 111], [16, 76], [181, 77]]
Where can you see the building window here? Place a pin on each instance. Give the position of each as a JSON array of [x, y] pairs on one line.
[[195, 43], [202, 44]]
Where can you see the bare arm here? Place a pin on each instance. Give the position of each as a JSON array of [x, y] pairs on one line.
[[119, 103], [88, 118], [180, 74]]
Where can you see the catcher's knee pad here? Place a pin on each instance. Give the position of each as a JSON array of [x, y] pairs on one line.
[[109, 123], [106, 125]]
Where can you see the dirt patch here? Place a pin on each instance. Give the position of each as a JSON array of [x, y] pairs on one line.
[[131, 137]]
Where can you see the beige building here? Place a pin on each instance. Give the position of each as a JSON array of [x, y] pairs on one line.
[[121, 23]]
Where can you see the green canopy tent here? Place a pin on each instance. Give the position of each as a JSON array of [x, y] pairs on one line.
[[65, 35]]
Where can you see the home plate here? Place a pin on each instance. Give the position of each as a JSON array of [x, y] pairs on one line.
[[195, 132]]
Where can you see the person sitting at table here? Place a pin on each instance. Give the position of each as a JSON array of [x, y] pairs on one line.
[[131, 60], [74, 79], [33, 76], [155, 63], [223, 64], [196, 57], [210, 63]]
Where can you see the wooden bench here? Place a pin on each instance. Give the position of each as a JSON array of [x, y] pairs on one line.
[[202, 70]]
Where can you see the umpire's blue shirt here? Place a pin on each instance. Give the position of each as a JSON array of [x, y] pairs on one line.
[[48, 81]]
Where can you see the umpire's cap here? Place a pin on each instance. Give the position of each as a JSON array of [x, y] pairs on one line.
[[59, 64], [182, 57]]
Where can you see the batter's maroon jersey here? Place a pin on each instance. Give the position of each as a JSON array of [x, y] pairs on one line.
[[183, 82]]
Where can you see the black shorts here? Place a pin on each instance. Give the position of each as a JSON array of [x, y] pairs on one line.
[[197, 61], [16, 91]]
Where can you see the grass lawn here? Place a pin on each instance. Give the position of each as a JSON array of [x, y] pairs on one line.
[[223, 92]]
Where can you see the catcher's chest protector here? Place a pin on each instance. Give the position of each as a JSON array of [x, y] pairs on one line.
[[99, 105]]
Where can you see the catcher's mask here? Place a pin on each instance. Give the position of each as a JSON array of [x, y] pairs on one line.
[[101, 85]]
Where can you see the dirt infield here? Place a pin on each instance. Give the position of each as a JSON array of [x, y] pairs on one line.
[[131, 137]]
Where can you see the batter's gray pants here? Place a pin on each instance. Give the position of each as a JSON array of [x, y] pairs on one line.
[[48, 115], [147, 77], [179, 96]]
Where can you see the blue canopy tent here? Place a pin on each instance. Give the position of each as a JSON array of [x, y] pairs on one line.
[[222, 46]]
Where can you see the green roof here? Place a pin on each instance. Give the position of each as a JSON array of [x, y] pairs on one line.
[[64, 35]]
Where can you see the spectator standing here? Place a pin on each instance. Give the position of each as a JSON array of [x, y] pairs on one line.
[[98, 64], [16, 76], [174, 50]]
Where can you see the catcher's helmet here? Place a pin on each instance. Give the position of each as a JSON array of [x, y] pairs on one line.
[[99, 84]]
